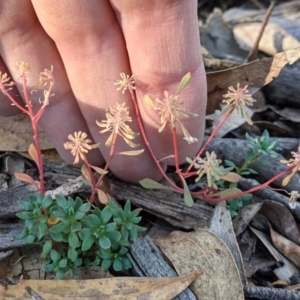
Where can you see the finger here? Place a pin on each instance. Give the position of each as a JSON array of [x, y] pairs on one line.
[[162, 39], [6, 107], [23, 39], [91, 44]]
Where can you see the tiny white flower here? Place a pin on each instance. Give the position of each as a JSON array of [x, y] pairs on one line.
[[190, 139]]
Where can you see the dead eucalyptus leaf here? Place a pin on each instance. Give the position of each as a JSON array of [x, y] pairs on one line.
[[286, 247], [281, 219], [117, 288], [255, 74], [288, 268], [244, 216], [203, 250]]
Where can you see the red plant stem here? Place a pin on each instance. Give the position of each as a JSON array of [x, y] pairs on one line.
[[211, 137], [35, 136], [252, 190], [175, 146], [141, 126], [111, 155], [24, 110]]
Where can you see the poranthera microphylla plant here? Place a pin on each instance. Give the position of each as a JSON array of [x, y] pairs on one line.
[[76, 222]]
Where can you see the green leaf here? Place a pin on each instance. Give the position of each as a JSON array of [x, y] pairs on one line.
[[78, 203], [63, 263], [47, 201], [87, 243], [123, 251], [85, 233], [105, 265], [117, 265], [84, 207], [148, 183], [188, 200], [126, 263], [57, 237], [92, 221], [106, 214], [78, 262], [59, 275], [114, 236], [79, 215], [61, 201], [58, 228], [183, 83], [23, 215], [55, 256], [104, 242], [29, 239], [75, 227], [43, 228], [49, 268], [72, 254], [25, 205], [71, 202], [133, 233], [110, 227], [46, 249], [73, 240]]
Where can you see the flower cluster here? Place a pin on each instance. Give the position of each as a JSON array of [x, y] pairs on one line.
[[116, 118], [292, 162], [239, 99], [125, 83], [210, 165], [79, 145]]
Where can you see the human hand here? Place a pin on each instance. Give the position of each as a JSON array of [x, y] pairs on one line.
[[90, 43]]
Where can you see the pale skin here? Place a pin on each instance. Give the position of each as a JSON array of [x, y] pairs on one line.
[[89, 43]]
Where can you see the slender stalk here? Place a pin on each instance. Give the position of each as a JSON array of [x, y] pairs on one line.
[[252, 190], [175, 146], [35, 135], [141, 126], [111, 155], [211, 137]]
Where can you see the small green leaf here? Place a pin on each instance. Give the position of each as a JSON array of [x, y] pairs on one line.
[[183, 83], [55, 256], [47, 249], [105, 265], [117, 265], [49, 268], [73, 240], [43, 228], [72, 254], [92, 221], [63, 263], [75, 227], [85, 233], [188, 200], [148, 183], [47, 201], [114, 236], [126, 263], [58, 228], [29, 239], [25, 205], [61, 201], [78, 203], [84, 208], [57, 237], [106, 214], [87, 243], [104, 242]]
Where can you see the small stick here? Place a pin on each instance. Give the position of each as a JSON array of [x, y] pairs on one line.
[[253, 52]]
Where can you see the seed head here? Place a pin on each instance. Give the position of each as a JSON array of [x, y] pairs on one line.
[[239, 98], [292, 162], [126, 82], [116, 118], [79, 145]]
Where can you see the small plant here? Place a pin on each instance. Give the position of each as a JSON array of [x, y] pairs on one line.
[[73, 233]]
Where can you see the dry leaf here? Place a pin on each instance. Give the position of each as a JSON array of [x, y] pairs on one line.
[[255, 74], [286, 247], [203, 250], [117, 288]]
